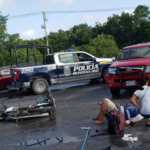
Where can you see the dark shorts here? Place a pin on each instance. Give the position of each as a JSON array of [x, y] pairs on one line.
[[145, 116]]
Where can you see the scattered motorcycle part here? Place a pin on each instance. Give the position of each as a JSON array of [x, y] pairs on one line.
[[88, 130]]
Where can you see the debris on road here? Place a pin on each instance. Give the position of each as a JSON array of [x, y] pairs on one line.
[[42, 107], [127, 137], [87, 133]]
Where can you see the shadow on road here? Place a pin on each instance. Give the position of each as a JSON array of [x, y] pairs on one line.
[[54, 88], [125, 94]]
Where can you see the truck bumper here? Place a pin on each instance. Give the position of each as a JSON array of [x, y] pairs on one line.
[[114, 81], [18, 85]]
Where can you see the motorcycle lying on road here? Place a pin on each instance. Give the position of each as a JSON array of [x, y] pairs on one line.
[[43, 107]]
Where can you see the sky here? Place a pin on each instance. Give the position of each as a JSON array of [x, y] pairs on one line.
[[29, 27]]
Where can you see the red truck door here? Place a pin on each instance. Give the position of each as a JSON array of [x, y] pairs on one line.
[[5, 78]]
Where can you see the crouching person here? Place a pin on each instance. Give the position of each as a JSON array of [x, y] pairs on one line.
[[144, 96]]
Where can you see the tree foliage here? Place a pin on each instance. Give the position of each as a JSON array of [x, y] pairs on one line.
[[101, 46], [3, 34], [102, 40]]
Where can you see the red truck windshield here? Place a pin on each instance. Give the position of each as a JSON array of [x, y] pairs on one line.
[[140, 52]]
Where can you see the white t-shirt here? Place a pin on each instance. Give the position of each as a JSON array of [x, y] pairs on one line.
[[146, 99]]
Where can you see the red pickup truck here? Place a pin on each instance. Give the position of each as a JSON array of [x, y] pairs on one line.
[[5, 77], [132, 63]]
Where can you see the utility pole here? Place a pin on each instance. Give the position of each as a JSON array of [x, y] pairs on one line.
[[44, 27]]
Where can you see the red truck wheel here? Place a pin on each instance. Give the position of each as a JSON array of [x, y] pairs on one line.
[[115, 91], [40, 86], [104, 73]]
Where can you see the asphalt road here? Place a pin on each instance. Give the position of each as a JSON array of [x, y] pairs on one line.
[[76, 105]]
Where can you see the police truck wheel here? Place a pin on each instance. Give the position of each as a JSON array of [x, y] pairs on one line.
[[115, 91], [40, 86], [104, 73]]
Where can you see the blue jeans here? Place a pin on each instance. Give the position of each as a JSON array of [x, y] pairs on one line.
[[145, 116]]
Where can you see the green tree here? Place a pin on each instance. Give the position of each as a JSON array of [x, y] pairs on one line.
[[141, 24], [102, 46], [3, 34], [141, 13], [98, 29], [81, 34], [119, 31], [59, 40], [121, 28]]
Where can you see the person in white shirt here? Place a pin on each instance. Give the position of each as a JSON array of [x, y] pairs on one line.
[[144, 96]]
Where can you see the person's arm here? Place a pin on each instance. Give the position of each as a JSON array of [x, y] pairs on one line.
[[133, 101]]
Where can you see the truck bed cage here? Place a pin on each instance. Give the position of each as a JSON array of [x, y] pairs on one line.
[[34, 46]]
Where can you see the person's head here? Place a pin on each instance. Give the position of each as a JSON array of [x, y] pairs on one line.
[[142, 81]]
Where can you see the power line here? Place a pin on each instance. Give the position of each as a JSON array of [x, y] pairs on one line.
[[94, 10], [25, 15], [71, 11]]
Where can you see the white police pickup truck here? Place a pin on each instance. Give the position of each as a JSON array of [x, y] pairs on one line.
[[58, 68]]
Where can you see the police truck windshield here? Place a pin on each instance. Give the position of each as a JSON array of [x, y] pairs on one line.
[[141, 52]]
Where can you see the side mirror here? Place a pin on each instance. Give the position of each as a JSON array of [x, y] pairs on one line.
[[113, 58], [94, 59]]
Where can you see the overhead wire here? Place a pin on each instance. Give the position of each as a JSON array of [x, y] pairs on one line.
[[71, 11]]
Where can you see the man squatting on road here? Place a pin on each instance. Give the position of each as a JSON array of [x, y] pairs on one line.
[[142, 94]]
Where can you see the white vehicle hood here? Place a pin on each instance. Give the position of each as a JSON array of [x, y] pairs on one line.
[[103, 60]]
